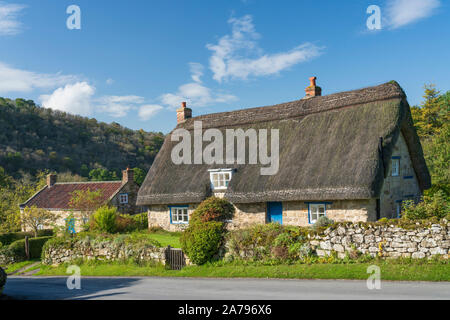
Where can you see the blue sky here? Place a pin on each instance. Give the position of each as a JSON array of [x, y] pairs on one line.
[[135, 61]]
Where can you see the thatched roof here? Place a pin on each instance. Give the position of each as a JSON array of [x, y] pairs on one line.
[[329, 149]]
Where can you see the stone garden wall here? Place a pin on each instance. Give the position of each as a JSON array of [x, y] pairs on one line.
[[384, 241], [353, 239], [58, 253]]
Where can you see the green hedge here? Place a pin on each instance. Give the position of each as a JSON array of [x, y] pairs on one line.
[[8, 238], [16, 250]]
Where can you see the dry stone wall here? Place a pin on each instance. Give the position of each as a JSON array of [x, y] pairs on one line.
[[56, 254], [385, 241]]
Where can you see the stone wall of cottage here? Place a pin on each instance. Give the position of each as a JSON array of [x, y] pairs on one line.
[[159, 216], [294, 213], [399, 188], [61, 216], [130, 188]]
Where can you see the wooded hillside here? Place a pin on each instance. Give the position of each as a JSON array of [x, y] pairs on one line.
[[34, 138]]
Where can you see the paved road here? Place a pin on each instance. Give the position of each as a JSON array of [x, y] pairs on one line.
[[215, 289]]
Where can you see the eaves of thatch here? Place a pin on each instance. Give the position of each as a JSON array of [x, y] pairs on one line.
[[329, 149]]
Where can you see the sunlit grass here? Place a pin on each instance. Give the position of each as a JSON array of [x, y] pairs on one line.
[[389, 271]]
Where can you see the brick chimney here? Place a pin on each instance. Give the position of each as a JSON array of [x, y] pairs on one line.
[[127, 175], [183, 113], [51, 180], [313, 90]]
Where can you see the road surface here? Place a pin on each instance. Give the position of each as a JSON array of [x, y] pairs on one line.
[[152, 288]]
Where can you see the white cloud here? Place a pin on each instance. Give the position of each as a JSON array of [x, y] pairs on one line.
[[196, 94], [403, 12], [196, 71], [148, 111], [73, 98], [109, 81], [238, 56], [118, 106], [17, 80], [9, 25]]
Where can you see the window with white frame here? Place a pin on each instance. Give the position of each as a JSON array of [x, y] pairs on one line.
[[395, 167], [220, 178], [123, 198], [179, 215], [316, 210]]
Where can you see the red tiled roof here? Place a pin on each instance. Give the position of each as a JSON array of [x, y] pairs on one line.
[[59, 195]]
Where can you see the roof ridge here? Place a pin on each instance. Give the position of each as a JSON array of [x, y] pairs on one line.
[[87, 182], [299, 108]]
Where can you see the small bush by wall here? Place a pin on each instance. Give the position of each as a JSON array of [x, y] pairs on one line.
[[15, 252], [8, 238], [203, 238]]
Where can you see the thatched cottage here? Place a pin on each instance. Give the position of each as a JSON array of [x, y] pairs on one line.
[[55, 197], [350, 156]]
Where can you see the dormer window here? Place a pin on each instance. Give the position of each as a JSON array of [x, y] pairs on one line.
[[220, 178]]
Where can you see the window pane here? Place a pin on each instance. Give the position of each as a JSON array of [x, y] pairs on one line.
[[322, 209]]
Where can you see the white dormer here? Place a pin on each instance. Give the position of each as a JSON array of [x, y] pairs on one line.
[[220, 178]]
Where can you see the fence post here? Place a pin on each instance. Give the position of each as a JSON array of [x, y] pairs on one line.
[[27, 248]]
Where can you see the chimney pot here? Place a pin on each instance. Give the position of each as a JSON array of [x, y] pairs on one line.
[[313, 90], [183, 113]]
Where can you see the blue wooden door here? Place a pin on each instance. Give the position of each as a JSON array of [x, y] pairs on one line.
[[275, 212]]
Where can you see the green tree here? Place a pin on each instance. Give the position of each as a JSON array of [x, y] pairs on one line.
[[434, 111], [36, 218], [139, 175], [87, 202]]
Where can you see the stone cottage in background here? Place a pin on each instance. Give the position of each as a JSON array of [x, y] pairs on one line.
[[350, 156], [55, 197]]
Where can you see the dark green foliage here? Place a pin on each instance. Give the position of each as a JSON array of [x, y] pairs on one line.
[[105, 219], [131, 223], [3, 278], [203, 238], [202, 242], [270, 242], [8, 238], [16, 250], [432, 205], [139, 175], [34, 138], [212, 209]]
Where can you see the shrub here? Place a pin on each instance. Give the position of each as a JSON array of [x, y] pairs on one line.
[[105, 219], [435, 204], [8, 238], [323, 222], [213, 209], [16, 250], [202, 242], [203, 238], [270, 241], [141, 221], [124, 223]]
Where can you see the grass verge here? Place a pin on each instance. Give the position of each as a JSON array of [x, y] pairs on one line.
[[416, 271], [18, 265]]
